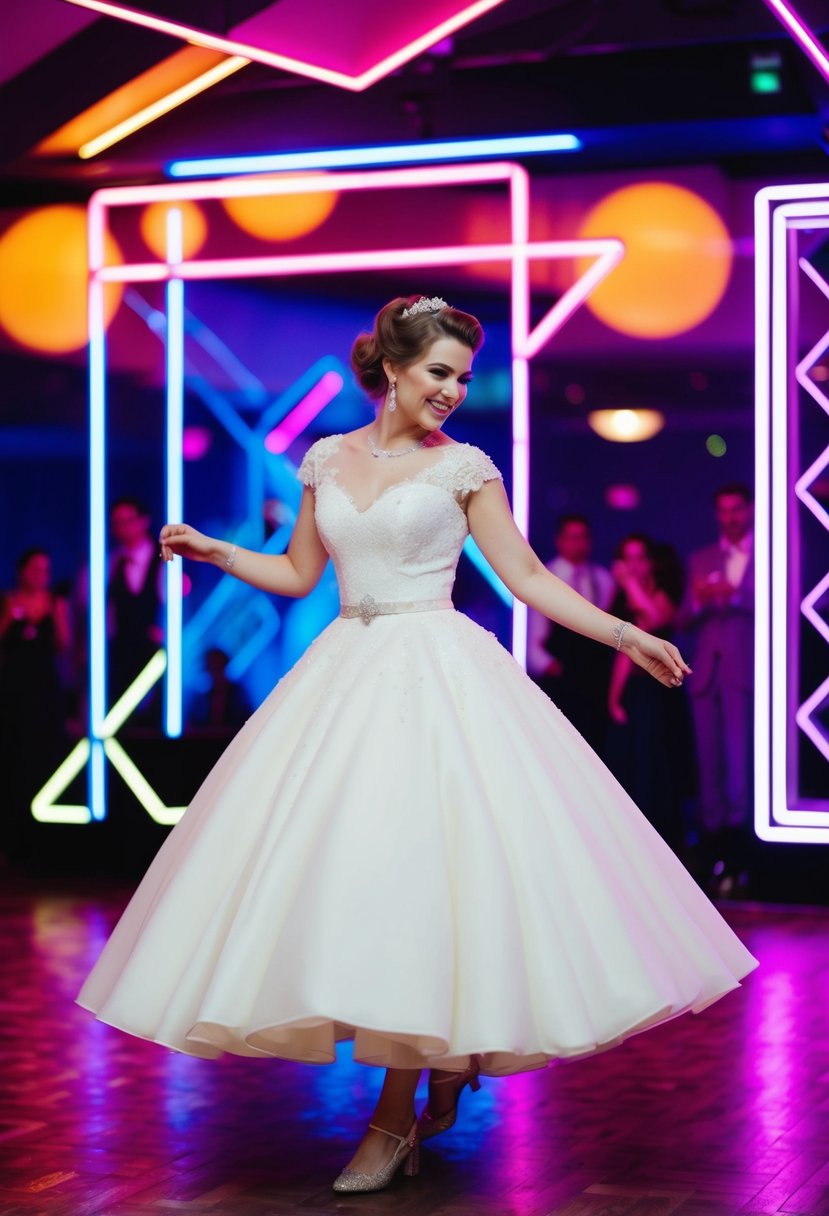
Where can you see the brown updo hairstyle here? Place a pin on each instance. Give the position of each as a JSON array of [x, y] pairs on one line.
[[402, 340]]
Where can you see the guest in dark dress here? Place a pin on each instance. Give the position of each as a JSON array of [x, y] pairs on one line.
[[649, 739], [34, 634]]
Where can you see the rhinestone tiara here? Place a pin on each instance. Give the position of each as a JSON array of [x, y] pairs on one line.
[[425, 305]]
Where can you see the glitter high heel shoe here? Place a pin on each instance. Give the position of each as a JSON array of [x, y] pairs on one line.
[[406, 1154], [429, 1125]]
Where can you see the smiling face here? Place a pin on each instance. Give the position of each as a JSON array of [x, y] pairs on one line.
[[433, 387]]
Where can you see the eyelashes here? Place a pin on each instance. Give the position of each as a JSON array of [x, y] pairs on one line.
[[440, 374]]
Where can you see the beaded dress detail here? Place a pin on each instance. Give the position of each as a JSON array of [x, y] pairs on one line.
[[408, 845]]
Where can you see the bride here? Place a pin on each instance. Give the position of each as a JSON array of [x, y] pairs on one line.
[[408, 845]]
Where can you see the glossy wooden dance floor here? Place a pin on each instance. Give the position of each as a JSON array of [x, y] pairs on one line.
[[719, 1113]]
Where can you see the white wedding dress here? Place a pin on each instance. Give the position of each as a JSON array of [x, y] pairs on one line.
[[408, 844]]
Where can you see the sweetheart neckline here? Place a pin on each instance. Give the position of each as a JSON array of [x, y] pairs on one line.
[[412, 479], [395, 485]]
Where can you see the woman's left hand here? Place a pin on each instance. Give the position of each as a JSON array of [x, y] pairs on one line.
[[658, 657]]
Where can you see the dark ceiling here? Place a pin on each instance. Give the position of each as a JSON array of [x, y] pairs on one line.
[[637, 77]]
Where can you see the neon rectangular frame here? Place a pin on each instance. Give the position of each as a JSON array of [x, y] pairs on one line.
[[526, 341], [779, 815]]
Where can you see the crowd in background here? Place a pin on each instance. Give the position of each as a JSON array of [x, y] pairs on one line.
[[684, 756]]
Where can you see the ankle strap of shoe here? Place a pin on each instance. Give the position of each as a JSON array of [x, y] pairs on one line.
[[400, 1139]]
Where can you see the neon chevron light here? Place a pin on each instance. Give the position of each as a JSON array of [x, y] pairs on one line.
[[164, 105], [303, 414], [781, 813], [527, 340], [355, 83], [788, 17], [44, 807], [368, 157]]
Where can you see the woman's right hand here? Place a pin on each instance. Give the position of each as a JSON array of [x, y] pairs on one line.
[[185, 541]]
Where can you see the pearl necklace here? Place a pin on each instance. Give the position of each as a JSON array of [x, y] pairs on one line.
[[375, 451]]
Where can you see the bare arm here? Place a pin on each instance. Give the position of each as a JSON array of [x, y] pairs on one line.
[[494, 529], [293, 573]]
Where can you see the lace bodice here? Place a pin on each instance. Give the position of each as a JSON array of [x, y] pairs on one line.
[[405, 545]]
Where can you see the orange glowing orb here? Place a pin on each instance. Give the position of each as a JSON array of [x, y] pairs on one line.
[[43, 278], [677, 261], [154, 227], [281, 217]]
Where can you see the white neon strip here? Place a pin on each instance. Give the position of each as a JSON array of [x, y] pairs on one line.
[[811, 190], [520, 329], [779, 511], [174, 505], [97, 780], [284, 265], [785, 216], [44, 807], [140, 786], [288, 63], [771, 529], [164, 105], [312, 183], [97, 512], [392, 154], [763, 750], [802, 35]]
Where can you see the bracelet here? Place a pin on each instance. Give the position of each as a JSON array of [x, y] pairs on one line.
[[230, 560], [619, 633]]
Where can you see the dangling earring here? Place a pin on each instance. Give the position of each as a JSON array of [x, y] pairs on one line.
[[392, 403]]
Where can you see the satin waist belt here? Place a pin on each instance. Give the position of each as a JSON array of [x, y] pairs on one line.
[[368, 607]]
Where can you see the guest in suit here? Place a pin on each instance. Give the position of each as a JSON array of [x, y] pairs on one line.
[[721, 613], [571, 669], [134, 599]]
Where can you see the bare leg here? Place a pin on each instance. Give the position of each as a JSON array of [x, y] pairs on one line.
[[443, 1096], [395, 1113]]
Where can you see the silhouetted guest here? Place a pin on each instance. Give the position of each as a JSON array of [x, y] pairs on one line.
[[721, 614], [134, 598], [570, 668], [34, 634], [648, 742], [224, 707]]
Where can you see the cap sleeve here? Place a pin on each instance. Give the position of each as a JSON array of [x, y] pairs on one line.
[[310, 470], [474, 468]]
